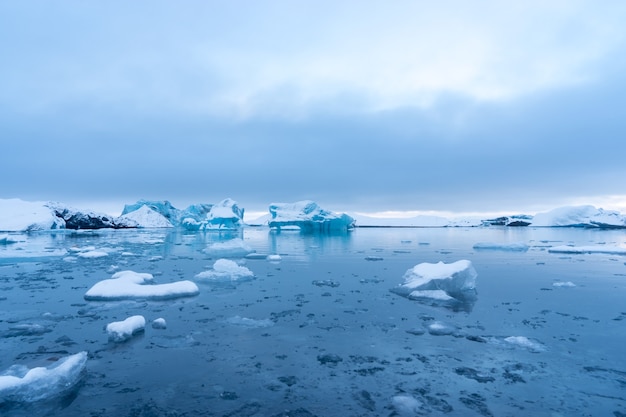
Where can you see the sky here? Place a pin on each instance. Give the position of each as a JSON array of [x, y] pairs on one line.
[[370, 106]]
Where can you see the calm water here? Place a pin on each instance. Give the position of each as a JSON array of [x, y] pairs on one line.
[[319, 333]]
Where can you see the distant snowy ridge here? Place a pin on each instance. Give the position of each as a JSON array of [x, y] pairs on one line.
[[580, 216]]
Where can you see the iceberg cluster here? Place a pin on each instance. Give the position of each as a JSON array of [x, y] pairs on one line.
[[308, 217], [440, 282], [20, 384], [133, 285]]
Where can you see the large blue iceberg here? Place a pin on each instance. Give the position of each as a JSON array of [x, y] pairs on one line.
[[308, 217]]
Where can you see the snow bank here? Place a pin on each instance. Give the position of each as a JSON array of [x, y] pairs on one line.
[[308, 217], [610, 250], [132, 285], [20, 384], [121, 331], [580, 216], [228, 249], [225, 269], [456, 280]]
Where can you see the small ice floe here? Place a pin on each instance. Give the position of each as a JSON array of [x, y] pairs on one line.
[[93, 254], [274, 258], [405, 405], [609, 250], [21, 384], [226, 270], [373, 258], [439, 328], [249, 323], [524, 342], [159, 323], [511, 247], [453, 283], [567, 284], [121, 331], [233, 248], [125, 285]]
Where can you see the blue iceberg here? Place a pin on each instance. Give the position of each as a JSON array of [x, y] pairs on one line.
[[308, 217]]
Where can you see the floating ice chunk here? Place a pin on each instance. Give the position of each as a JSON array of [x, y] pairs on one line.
[[5, 239], [250, 323], [131, 285], [159, 323], [432, 294], [144, 217], [164, 208], [274, 258], [610, 250], [563, 284], [229, 249], [514, 247], [308, 217], [525, 342], [121, 331], [580, 216], [406, 405], [439, 328], [20, 384], [225, 269], [457, 279], [93, 254]]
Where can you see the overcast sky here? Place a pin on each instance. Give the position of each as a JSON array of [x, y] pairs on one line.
[[454, 106]]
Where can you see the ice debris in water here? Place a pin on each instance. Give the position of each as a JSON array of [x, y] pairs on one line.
[[132, 285], [406, 405], [233, 248], [20, 384], [5, 239], [250, 323], [525, 342], [513, 247], [225, 269], [440, 281], [121, 331], [609, 250], [159, 323], [274, 258], [563, 284], [308, 217]]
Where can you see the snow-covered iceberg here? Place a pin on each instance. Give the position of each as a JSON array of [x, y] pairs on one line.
[[133, 285], [512, 221], [19, 216], [78, 219], [20, 384], [580, 216], [146, 213], [308, 217], [144, 217], [440, 282]]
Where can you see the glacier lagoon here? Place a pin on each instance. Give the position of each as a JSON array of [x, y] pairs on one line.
[[316, 331]]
